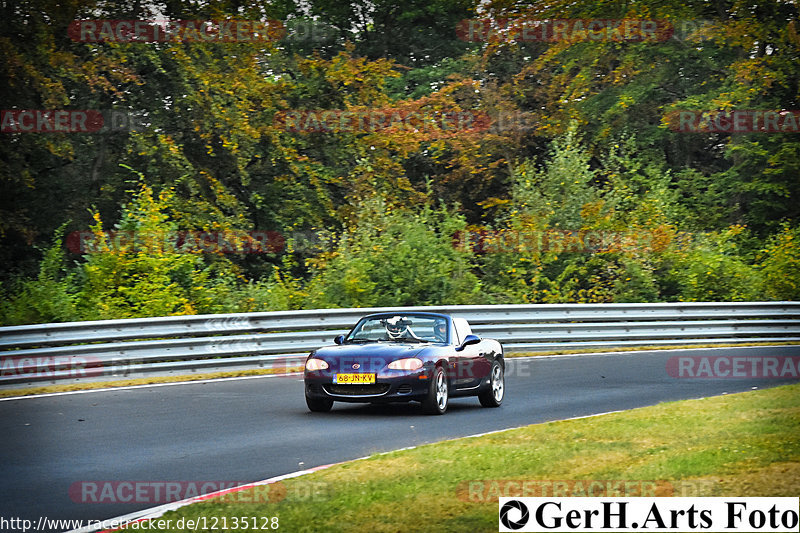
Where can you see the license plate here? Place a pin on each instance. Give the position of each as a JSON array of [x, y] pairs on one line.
[[354, 379]]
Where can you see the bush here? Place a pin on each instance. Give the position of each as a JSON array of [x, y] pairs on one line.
[[395, 257], [50, 297], [781, 265]]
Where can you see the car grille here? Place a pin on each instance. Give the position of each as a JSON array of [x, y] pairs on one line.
[[404, 389], [357, 390]]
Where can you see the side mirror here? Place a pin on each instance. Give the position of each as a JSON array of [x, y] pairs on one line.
[[469, 339], [339, 339]]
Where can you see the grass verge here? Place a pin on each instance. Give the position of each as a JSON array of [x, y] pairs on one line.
[[744, 444], [649, 348], [92, 385]]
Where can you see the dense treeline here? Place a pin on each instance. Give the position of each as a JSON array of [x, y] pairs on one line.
[[558, 170]]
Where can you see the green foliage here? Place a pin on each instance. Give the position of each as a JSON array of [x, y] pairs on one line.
[[139, 274], [562, 240], [591, 195], [781, 265], [417, 32], [50, 297], [395, 256], [710, 267]]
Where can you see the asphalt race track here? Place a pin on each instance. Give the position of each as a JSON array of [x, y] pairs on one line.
[[253, 429]]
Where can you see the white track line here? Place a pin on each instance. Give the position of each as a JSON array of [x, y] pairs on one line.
[[129, 387]]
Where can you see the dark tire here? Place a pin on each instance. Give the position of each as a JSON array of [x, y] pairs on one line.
[[319, 405], [493, 396], [435, 403]]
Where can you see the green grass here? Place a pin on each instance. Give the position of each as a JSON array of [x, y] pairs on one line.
[[649, 348], [737, 445]]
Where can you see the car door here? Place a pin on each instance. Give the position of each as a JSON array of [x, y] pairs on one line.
[[467, 364]]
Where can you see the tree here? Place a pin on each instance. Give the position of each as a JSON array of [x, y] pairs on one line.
[[393, 256], [144, 268]]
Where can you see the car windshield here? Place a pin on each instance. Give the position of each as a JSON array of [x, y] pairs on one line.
[[400, 328]]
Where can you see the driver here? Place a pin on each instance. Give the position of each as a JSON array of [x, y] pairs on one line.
[[440, 330], [399, 327], [396, 327]]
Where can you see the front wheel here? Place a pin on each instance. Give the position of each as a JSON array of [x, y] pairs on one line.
[[319, 405], [435, 403], [493, 396]]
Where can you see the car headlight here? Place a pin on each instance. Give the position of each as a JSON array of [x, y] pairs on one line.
[[411, 363], [316, 364]]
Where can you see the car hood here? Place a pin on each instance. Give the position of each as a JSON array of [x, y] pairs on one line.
[[383, 352]]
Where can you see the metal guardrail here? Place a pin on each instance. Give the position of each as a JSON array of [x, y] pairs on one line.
[[185, 344]]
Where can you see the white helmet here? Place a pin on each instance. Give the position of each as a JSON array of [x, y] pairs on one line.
[[397, 326]]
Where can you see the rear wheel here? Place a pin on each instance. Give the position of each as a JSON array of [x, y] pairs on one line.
[[435, 403], [319, 405], [493, 396]]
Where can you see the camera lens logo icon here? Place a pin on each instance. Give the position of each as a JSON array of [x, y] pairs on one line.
[[517, 505]]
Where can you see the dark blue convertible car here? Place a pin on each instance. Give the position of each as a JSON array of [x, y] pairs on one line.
[[401, 357]]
